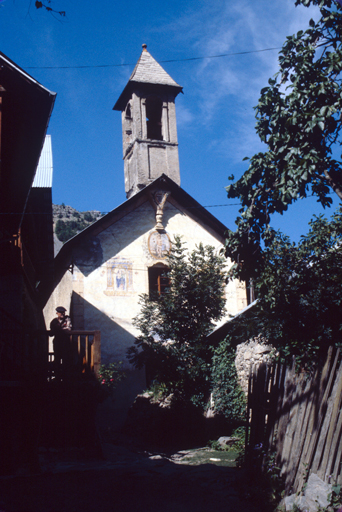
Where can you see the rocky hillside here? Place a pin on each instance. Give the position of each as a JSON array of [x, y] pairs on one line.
[[67, 221]]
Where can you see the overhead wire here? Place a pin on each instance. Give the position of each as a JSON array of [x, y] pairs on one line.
[[128, 211], [161, 61]]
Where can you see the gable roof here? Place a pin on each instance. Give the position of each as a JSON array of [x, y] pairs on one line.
[[146, 71], [149, 71], [26, 110], [222, 330], [187, 202]]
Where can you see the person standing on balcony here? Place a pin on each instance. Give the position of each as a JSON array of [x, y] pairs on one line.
[[60, 328]]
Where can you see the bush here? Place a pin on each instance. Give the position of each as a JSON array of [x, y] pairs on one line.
[[229, 399], [67, 229], [88, 217], [174, 325], [110, 375]]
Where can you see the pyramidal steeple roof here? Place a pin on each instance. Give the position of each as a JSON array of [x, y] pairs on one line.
[[146, 71], [149, 71]]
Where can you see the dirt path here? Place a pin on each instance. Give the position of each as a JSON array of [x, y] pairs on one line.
[[129, 481]]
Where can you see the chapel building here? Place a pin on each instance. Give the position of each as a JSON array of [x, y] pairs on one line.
[[102, 271]]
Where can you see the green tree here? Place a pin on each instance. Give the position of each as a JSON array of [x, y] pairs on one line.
[[88, 217], [173, 326], [300, 291], [299, 118]]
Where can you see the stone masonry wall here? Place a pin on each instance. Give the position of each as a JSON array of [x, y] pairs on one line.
[[253, 351]]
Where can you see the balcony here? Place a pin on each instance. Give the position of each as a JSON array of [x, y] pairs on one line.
[[24, 356]]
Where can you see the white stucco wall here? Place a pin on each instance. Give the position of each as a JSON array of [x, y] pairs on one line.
[[60, 297], [111, 272], [124, 249]]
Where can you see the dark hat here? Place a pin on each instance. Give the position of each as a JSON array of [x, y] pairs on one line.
[[60, 309]]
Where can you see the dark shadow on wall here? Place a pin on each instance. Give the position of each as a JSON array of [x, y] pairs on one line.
[[88, 253], [113, 412]]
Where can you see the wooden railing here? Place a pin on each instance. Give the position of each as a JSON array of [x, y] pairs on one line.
[[85, 353], [24, 354]]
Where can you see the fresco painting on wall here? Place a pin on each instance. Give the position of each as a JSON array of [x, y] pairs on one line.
[[119, 277], [159, 245]]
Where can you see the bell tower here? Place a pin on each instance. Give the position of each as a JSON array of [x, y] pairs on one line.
[[149, 131]]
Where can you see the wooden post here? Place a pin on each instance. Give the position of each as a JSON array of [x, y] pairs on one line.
[[97, 351], [2, 90]]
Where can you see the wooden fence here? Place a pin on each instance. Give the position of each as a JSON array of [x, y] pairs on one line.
[[299, 417]]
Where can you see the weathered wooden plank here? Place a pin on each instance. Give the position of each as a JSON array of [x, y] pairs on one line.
[[267, 402], [334, 460], [291, 424], [300, 429], [248, 416], [274, 395], [284, 413], [337, 471], [305, 432], [279, 390], [318, 406], [291, 452], [282, 419], [335, 399], [325, 418], [259, 405]]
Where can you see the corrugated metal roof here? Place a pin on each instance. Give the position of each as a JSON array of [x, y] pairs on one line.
[[149, 71], [44, 172]]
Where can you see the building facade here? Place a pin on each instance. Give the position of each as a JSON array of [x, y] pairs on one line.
[[101, 272]]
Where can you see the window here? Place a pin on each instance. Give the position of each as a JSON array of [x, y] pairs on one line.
[[158, 280], [154, 109], [128, 113]]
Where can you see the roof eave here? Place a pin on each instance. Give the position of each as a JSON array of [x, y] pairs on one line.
[[132, 85], [178, 194]]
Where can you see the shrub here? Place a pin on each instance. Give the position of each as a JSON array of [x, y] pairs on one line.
[[110, 375], [174, 325], [88, 217], [229, 399]]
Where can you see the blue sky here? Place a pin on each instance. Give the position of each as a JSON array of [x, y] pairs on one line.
[[215, 115]]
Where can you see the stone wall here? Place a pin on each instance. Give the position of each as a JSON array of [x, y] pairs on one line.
[[254, 351]]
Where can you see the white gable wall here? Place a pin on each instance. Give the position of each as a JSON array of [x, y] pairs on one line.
[[111, 272], [111, 307]]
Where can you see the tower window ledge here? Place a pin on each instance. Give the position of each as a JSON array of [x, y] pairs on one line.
[[155, 142]]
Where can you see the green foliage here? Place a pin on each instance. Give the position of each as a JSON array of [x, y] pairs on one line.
[[229, 399], [66, 229], [88, 217], [299, 119], [173, 326], [238, 446], [110, 375], [300, 291], [157, 390]]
